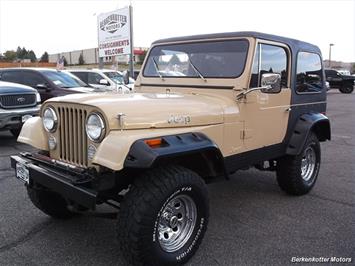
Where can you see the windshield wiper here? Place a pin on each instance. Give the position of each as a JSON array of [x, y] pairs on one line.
[[157, 68], [196, 70]]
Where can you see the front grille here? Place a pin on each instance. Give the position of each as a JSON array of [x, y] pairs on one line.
[[73, 139], [18, 100]]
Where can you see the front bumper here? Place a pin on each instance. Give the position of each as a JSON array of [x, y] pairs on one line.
[[11, 118], [73, 184]]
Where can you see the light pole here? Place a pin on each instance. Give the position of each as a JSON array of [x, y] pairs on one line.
[[330, 54]]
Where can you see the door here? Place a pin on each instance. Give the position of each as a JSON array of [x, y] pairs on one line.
[[334, 78], [33, 79], [94, 81], [265, 115]]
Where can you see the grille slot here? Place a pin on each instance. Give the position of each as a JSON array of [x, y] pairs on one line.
[[73, 139], [18, 100]]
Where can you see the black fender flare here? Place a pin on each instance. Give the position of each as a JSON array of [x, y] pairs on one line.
[[177, 148], [316, 122]]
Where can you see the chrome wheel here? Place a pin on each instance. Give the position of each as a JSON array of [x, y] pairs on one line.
[[308, 163], [177, 223]]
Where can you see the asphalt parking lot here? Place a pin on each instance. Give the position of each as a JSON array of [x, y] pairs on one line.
[[252, 221]]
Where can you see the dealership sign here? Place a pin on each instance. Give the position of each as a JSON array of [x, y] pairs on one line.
[[114, 33]]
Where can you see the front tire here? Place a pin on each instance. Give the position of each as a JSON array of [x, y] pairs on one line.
[[50, 203], [163, 217], [296, 175], [348, 89]]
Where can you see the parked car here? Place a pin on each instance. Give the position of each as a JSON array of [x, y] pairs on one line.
[[17, 104], [135, 73], [240, 100], [48, 82], [345, 83], [104, 79]]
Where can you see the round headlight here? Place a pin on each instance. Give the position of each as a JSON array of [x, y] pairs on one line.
[[50, 119], [95, 127]]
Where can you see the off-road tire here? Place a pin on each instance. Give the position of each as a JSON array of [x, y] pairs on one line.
[[50, 203], [15, 132], [347, 89], [289, 170], [142, 209]]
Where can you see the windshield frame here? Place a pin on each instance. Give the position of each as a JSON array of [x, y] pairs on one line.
[[194, 42]]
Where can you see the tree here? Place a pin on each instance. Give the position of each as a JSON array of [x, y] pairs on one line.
[[81, 59], [44, 58], [65, 61], [10, 55], [32, 56], [23, 54], [18, 52]]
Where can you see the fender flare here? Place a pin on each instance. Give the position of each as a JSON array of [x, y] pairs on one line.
[[176, 148], [316, 122]]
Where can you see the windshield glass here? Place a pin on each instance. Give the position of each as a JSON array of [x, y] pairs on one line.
[[117, 77], [218, 59], [63, 80]]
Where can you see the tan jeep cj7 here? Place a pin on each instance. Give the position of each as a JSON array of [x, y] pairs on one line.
[[205, 107]]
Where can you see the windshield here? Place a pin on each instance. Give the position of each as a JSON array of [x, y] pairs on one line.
[[63, 80], [218, 59], [117, 77]]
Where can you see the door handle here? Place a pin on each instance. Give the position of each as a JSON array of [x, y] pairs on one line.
[[288, 109]]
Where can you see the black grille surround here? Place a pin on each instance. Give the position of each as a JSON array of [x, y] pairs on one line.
[[10, 101]]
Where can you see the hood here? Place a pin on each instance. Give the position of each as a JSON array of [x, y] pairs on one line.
[[152, 110], [83, 89], [14, 88]]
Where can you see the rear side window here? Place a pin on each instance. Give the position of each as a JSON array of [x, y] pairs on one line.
[[269, 59], [12, 76], [32, 79], [309, 73], [94, 78], [81, 75]]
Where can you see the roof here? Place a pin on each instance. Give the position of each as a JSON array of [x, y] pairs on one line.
[[30, 68], [293, 43]]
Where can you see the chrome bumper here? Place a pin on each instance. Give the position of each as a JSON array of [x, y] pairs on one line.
[[11, 118]]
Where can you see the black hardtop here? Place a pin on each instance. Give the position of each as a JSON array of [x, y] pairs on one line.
[[295, 45]]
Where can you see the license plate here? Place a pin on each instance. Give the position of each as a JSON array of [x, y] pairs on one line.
[[25, 118], [22, 172]]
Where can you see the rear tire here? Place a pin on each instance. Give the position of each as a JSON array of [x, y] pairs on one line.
[[348, 89], [163, 217], [296, 175], [50, 203]]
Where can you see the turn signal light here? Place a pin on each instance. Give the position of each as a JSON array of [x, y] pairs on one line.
[[154, 142]]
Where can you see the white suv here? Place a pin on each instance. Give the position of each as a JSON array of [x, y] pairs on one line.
[[105, 79]]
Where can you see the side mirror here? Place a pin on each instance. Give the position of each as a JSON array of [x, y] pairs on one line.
[[104, 82], [126, 77], [42, 87], [271, 83]]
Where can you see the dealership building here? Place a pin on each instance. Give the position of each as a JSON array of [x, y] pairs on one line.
[[91, 56]]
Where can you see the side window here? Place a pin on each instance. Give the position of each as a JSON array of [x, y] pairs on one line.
[[32, 79], [12, 76], [269, 59], [309, 73], [94, 78], [82, 75]]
